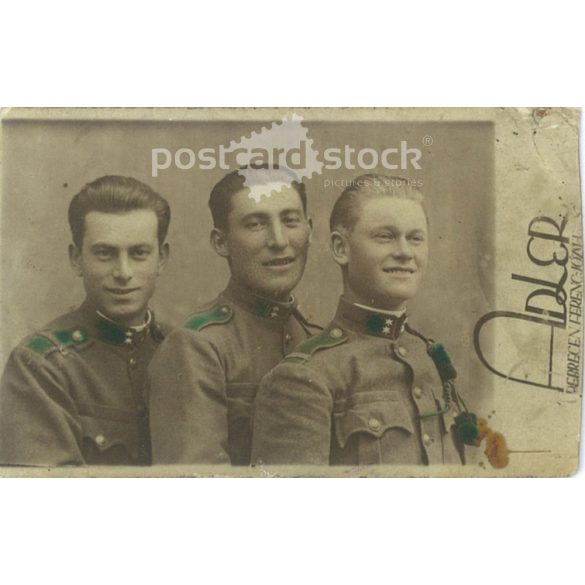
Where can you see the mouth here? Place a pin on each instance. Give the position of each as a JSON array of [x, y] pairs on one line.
[[121, 292], [279, 262], [400, 271]]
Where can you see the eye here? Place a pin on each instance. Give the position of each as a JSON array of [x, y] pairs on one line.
[[417, 238], [140, 253], [254, 224], [292, 220], [103, 253], [384, 236]]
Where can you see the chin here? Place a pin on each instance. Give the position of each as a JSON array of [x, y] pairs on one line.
[[121, 313]]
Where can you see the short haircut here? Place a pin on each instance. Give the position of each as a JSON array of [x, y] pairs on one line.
[[232, 183], [346, 210], [116, 194]]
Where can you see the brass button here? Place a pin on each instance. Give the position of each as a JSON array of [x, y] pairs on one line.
[[100, 440], [287, 338], [336, 333], [77, 335], [401, 351], [427, 440], [132, 361], [417, 392], [225, 309], [374, 424]]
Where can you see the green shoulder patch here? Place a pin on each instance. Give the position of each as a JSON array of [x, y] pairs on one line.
[[214, 316], [40, 344], [57, 340], [329, 338]]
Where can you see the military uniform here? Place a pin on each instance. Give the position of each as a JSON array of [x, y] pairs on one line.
[[73, 393], [205, 376], [355, 395]]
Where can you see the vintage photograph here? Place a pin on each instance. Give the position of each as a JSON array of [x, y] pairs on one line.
[[290, 292]]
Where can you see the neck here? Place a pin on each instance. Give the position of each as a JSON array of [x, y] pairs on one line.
[[134, 322], [394, 305], [276, 296]]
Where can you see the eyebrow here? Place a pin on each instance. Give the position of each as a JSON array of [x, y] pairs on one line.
[[392, 227], [114, 247], [264, 214]]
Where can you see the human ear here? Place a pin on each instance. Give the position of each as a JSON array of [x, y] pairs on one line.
[[164, 253], [218, 240], [339, 247], [75, 259]]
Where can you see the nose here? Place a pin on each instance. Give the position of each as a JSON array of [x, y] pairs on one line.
[[277, 236], [402, 250], [122, 269]]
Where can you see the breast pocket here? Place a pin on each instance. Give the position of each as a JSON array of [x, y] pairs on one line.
[[372, 428], [122, 440]]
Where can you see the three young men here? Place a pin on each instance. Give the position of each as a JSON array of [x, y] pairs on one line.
[[364, 391]]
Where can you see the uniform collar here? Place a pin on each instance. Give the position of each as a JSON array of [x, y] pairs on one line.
[[370, 321], [114, 333], [269, 309]]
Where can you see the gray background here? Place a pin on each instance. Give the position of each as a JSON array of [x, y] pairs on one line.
[[46, 163]]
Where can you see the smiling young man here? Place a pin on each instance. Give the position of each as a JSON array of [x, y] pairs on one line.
[[74, 392], [365, 391], [205, 375]]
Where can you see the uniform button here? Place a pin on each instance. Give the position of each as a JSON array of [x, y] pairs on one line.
[[427, 440], [100, 440], [417, 392], [132, 361], [374, 424], [401, 351], [77, 335], [225, 309], [336, 333], [287, 338]]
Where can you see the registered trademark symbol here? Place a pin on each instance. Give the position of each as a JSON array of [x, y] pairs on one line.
[[427, 140]]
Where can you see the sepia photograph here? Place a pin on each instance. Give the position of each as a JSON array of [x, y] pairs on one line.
[[291, 292]]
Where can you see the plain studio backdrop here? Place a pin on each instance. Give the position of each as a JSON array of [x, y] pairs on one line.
[[47, 162]]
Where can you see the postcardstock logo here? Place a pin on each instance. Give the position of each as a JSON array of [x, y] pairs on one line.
[[288, 150]]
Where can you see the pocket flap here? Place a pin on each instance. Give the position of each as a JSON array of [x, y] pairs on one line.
[[104, 435], [372, 418]]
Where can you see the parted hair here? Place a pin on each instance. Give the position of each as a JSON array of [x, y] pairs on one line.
[[232, 183], [117, 194], [346, 210]]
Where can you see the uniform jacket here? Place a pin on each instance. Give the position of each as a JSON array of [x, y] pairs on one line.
[[205, 376], [353, 396], [73, 394]]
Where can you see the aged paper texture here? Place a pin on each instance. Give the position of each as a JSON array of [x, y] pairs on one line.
[[456, 349]]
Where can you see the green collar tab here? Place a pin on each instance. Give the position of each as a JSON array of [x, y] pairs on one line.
[[276, 311], [371, 322]]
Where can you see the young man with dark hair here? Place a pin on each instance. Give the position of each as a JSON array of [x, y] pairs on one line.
[[205, 375], [73, 393], [366, 390]]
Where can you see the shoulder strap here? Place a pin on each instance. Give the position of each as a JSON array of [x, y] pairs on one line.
[[48, 341], [217, 315], [331, 337]]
